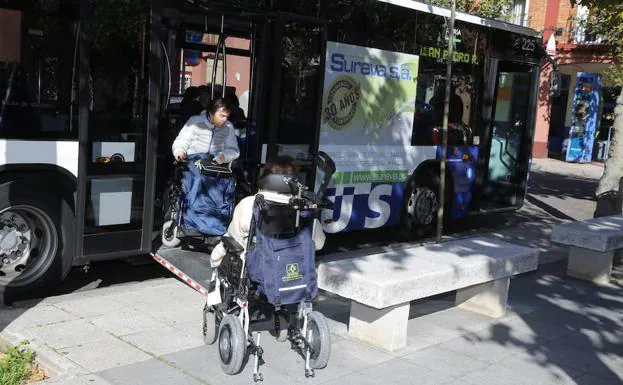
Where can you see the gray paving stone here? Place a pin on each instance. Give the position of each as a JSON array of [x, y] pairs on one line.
[[67, 334], [537, 367], [593, 380], [89, 379], [560, 353], [501, 375], [568, 320], [493, 345], [129, 323], [172, 313], [164, 340], [21, 318], [604, 341], [104, 354], [536, 328], [396, 371], [446, 361], [456, 382], [347, 356], [151, 372], [82, 380], [94, 306], [203, 363]]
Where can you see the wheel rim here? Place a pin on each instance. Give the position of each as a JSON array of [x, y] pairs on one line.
[[422, 206], [28, 242], [224, 344]]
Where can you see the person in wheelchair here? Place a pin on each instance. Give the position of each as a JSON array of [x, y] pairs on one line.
[[264, 276], [273, 189], [203, 191], [209, 133]]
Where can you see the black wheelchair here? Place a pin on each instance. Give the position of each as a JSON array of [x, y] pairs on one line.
[[173, 230], [240, 301]]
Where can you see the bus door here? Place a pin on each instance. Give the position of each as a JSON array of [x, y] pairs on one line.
[[114, 195], [220, 51], [513, 87], [296, 91]]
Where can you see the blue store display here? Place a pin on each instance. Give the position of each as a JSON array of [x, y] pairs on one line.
[[585, 117]]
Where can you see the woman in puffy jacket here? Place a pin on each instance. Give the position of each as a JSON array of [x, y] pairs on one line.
[[208, 132]]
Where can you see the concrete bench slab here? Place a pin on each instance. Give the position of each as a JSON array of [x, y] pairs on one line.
[[592, 244], [382, 284]]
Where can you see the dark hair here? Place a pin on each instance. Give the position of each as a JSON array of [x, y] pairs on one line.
[[281, 164], [217, 104], [191, 93]]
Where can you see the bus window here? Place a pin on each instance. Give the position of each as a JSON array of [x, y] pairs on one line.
[[36, 69], [117, 82], [300, 76], [464, 119]]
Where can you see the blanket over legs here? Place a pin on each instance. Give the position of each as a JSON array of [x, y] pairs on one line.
[[207, 201]]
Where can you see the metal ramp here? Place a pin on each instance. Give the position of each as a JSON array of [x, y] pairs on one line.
[[192, 267]]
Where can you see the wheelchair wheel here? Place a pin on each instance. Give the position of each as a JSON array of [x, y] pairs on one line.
[[320, 339], [281, 334], [169, 234], [232, 344], [209, 326]]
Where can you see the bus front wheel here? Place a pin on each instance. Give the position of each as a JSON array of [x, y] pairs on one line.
[[37, 233], [420, 208]]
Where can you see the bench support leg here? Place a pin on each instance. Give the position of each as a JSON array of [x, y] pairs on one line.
[[383, 328], [589, 265], [488, 298]]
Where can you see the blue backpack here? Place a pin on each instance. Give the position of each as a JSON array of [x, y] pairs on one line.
[[281, 257]]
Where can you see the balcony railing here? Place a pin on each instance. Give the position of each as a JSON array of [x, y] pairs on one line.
[[577, 32]]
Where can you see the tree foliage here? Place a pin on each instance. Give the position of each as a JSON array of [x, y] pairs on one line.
[[606, 19], [495, 9]]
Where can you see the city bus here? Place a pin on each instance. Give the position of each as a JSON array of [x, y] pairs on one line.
[[93, 93]]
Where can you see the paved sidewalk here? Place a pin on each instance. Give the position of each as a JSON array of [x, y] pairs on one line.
[[592, 170], [557, 331]]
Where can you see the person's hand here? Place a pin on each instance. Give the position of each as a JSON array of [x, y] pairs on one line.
[[220, 159], [179, 155]]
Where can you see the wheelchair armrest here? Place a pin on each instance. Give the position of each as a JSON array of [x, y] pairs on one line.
[[231, 246]]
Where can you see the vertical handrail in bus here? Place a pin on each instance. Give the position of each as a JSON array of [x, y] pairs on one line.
[[215, 67], [7, 94], [166, 56], [224, 77], [220, 45], [74, 83], [252, 42]]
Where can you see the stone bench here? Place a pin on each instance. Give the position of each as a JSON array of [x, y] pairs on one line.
[[592, 245], [381, 285]]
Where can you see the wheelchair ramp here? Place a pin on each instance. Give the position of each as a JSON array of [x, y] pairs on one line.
[[192, 267]]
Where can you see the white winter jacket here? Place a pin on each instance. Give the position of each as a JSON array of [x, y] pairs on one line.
[[241, 223], [199, 135]]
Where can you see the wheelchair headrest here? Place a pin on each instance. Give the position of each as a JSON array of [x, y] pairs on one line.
[[276, 183]]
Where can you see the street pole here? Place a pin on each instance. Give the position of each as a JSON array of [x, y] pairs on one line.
[[444, 129]]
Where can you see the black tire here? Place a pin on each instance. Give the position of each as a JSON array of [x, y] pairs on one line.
[[232, 344], [410, 228], [209, 326], [321, 340], [52, 229]]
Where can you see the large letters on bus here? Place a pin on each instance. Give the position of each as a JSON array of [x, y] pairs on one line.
[[367, 118]]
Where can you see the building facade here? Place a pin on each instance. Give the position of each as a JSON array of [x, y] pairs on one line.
[[579, 55]]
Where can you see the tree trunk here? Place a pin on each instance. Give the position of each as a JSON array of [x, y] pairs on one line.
[[608, 188]]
